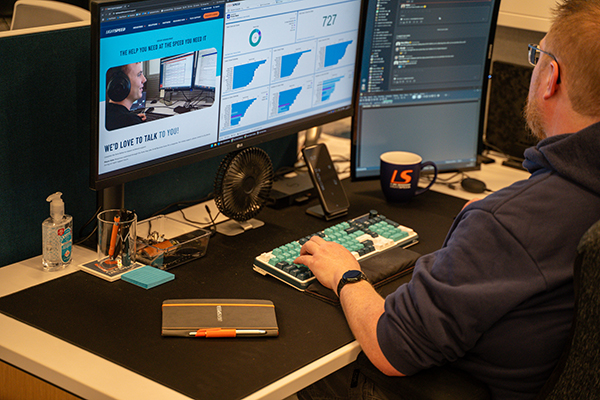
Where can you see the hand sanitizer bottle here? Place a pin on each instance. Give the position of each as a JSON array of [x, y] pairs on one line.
[[57, 235]]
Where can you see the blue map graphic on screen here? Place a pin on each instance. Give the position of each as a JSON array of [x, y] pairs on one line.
[[289, 63], [244, 74], [329, 87], [238, 110], [287, 98], [335, 52]]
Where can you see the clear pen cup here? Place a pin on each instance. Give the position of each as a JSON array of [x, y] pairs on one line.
[[116, 239]]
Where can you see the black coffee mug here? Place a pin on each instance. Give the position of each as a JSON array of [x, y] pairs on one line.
[[399, 175]]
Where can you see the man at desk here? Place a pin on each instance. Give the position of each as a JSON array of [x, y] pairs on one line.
[[125, 86], [496, 300]]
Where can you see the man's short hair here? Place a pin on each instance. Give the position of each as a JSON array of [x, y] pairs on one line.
[[573, 39]]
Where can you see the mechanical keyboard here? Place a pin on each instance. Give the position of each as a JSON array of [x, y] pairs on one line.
[[365, 236]]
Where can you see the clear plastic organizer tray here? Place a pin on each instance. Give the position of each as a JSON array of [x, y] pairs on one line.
[[165, 243]]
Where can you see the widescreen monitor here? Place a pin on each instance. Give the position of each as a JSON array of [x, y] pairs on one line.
[[270, 68], [205, 71], [177, 72], [423, 82]]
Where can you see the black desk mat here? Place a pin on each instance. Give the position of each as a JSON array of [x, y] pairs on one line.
[[121, 322]]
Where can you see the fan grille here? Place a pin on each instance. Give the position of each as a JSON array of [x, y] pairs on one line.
[[243, 183]]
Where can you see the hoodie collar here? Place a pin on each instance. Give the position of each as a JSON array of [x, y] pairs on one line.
[[575, 156]]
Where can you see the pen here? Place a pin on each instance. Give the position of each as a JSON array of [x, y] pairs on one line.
[[113, 237], [218, 332]]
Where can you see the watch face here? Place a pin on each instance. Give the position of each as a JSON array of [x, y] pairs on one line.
[[352, 275]]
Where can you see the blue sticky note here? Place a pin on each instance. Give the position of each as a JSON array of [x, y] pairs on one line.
[[147, 277]]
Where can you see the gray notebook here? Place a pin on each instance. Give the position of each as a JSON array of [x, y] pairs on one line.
[[212, 318]]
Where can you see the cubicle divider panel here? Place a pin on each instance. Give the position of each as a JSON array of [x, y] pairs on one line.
[[44, 134]]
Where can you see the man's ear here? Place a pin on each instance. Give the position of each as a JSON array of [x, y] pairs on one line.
[[552, 80]]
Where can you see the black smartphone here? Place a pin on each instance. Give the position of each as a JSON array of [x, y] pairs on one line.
[[325, 180]]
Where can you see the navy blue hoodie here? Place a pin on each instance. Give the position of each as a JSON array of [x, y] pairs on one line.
[[497, 299]]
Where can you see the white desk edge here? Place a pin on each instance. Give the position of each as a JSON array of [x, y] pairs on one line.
[[87, 375]]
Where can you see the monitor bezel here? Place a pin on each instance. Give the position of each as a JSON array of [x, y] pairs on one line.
[[153, 167]]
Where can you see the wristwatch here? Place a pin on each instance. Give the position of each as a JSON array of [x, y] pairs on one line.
[[351, 276]]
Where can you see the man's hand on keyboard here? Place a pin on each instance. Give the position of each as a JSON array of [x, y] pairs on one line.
[[364, 236], [327, 260]]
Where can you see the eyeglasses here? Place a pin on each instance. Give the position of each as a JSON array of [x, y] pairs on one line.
[[535, 53]]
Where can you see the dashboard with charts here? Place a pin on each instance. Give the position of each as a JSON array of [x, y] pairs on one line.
[[283, 60]]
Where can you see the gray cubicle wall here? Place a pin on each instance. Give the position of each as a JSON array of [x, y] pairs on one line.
[[45, 141], [44, 134]]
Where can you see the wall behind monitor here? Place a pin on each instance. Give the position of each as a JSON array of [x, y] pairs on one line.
[[510, 44], [505, 128], [149, 195], [531, 14], [45, 142]]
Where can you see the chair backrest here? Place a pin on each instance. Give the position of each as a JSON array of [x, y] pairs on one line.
[[42, 29], [34, 13], [577, 375]]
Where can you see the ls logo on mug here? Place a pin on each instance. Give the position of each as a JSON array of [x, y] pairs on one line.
[[405, 182], [399, 175]]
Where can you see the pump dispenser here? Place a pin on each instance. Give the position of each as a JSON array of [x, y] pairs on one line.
[[57, 235]]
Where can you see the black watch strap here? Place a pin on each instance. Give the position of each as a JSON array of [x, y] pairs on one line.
[[351, 276]]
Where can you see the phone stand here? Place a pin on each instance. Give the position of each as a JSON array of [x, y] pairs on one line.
[[317, 211]]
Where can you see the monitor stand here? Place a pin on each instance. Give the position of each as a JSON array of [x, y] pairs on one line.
[[111, 198], [212, 219], [233, 228]]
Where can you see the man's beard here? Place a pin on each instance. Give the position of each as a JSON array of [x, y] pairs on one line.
[[533, 115]]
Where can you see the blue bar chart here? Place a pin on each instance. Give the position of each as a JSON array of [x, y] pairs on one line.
[[335, 52], [286, 99], [247, 71], [289, 63], [328, 87], [333, 86], [238, 111], [243, 110], [243, 75]]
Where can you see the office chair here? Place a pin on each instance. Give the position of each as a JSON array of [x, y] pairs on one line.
[[35, 13], [577, 374]]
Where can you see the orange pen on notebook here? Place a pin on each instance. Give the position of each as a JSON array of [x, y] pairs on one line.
[[113, 237], [219, 332]]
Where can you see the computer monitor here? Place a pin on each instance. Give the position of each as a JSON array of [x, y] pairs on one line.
[[274, 67], [205, 70], [423, 80], [177, 72]]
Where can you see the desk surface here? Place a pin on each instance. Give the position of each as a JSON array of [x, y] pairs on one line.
[[99, 339]]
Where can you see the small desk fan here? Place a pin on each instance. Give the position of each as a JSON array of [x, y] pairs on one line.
[[242, 188]]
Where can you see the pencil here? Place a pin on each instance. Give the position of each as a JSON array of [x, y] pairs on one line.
[[113, 237]]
